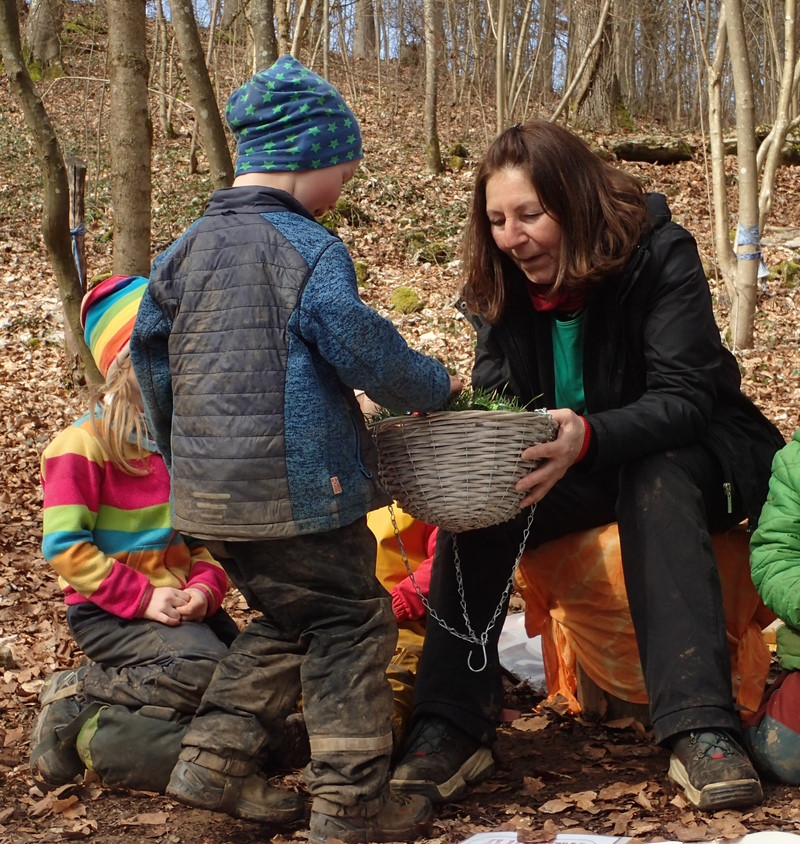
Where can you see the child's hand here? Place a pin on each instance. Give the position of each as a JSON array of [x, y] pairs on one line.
[[196, 608], [456, 385], [164, 605]]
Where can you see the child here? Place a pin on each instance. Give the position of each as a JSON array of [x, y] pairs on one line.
[[407, 589], [773, 735], [143, 602], [248, 345]]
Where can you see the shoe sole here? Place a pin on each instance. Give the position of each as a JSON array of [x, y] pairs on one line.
[[368, 836], [479, 766], [180, 789], [731, 794]]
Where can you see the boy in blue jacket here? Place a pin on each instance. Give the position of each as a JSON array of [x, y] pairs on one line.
[[248, 346]]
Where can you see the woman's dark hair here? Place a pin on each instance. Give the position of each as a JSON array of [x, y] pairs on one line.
[[601, 211]]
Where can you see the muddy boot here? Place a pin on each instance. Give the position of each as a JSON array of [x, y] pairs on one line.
[[53, 753], [402, 817], [249, 797]]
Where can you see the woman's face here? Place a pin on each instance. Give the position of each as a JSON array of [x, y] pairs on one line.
[[520, 226]]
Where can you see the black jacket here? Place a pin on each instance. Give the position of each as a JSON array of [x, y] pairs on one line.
[[655, 373]]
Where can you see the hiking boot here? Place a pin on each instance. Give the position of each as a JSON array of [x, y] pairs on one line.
[[714, 771], [249, 797], [440, 761], [54, 756], [402, 817]]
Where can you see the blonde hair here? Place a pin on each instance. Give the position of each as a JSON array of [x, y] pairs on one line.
[[118, 422]]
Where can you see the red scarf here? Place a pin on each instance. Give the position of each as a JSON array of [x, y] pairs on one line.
[[563, 300]]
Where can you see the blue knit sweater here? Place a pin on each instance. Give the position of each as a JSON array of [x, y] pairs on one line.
[[248, 345]]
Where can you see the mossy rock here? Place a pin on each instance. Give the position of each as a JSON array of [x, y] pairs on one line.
[[455, 163], [434, 252], [458, 150], [787, 273], [406, 300], [362, 273]]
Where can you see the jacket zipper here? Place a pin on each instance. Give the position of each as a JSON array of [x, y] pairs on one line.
[[364, 471]]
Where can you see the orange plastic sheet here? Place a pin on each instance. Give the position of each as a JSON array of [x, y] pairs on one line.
[[575, 599]]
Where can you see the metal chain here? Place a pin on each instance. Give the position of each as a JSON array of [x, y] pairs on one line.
[[470, 636]]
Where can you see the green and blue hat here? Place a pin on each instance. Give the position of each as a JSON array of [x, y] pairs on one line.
[[286, 118]]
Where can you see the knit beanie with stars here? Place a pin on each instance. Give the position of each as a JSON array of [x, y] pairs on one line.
[[288, 118]]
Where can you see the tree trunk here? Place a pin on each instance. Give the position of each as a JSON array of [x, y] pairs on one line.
[[364, 36], [42, 32], [722, 243], [748, 252], [55, 195], [501, 88], [597, 95], [543, 70], [769, 153], [265, 41], [130, 136], [283, 29], [583, 67], [206, 110], [433, 156], [162, 58]]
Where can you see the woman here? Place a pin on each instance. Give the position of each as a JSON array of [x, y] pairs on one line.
[[588, 299]]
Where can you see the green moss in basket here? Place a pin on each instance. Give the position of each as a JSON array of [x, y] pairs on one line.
[[484, 400], [466, 400]]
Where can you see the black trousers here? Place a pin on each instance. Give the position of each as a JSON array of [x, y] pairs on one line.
[[665, 505]]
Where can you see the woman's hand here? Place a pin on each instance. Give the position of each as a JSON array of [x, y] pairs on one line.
[[556, 457]]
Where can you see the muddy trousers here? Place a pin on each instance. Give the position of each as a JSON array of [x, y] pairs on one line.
[[143, 684], [665, 506], [326, 629]]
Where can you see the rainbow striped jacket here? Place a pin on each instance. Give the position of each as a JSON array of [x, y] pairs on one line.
[[109, 535]]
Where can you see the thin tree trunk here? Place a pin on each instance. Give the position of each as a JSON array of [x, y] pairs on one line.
[[769, 153], [433, 156], [743, 307], [283, 28], [162, 58], [55, 194], [206, 109]]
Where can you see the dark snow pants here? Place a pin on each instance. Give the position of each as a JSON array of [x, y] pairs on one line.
[[665, 506], [326, 629]]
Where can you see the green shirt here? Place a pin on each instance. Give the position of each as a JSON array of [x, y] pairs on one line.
[[567, 337]]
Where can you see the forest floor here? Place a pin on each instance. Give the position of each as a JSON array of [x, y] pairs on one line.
[[555, 773]]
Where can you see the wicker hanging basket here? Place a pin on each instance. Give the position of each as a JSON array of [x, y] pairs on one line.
[[457, 469]]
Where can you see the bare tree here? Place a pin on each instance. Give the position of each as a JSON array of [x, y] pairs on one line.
[[740, 261], [364, 39], [265, 42], [585, 65], [43, 31], [130, 134], [55, 195], [433, 156], [545, 51], [161, 59], [206, 108]]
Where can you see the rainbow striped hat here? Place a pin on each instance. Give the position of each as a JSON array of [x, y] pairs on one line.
[[108, 312]]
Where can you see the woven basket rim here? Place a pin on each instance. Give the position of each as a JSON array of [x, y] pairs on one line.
[[465, 414]]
